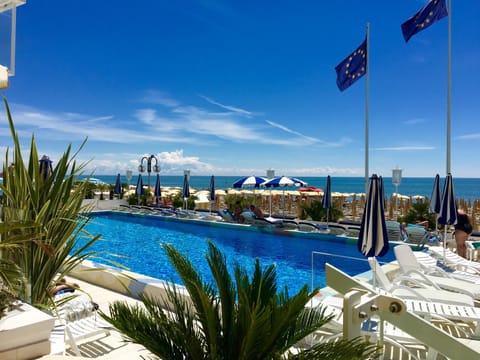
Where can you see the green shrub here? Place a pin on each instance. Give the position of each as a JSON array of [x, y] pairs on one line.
[[418, 212], [317, 213]]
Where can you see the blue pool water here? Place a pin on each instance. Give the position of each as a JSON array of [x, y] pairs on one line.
[[136, 241]]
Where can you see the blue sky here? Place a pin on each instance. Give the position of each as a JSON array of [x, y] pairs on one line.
[[238, 87]]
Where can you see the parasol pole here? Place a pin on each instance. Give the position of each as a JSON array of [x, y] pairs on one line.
[[366, 105], [449, 84]]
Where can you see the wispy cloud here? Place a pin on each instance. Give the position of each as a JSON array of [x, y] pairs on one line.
[[227, 107], [177, 123], [414, 121], [159, 98], [290, 131], [474, 136]]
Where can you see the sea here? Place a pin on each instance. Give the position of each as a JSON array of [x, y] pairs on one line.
[[465, 188]]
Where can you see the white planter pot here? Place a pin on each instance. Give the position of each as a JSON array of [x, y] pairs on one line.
[[25, 333]]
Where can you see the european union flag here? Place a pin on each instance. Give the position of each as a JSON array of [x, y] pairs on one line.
[[433, 11], [353, 67]]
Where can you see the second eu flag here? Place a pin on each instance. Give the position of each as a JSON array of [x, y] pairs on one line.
[[353, 67], [433, 11]]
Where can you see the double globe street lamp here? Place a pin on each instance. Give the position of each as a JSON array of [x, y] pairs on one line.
[[148, 159]]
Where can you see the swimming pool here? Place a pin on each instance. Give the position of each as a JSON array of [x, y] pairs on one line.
[[135, 241]]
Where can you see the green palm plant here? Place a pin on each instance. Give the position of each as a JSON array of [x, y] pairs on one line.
[[317, 212], [41, 221], [233, 319]]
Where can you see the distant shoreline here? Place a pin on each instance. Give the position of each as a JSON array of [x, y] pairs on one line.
[[465, 188]]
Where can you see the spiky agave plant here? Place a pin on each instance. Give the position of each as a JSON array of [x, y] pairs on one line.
[[243, 318], [41, 220]]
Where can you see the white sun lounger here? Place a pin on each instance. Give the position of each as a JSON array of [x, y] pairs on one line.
[[406, 287], [387, 334], [454, 260], [409, 266], [435, 267], [421, 329]]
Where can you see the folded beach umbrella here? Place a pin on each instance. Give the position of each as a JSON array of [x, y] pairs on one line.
[[435, 199], [185, 190], [327, 197], [211, 196], [448, 207], [139, 188], [434, 206], [212, 188], [118, 185], [46, 168], [373, 239], [158, 190]]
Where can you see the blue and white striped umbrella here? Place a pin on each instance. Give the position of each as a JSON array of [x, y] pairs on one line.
[[448, 207], [283, 181], [139, 188], [327, 197], [373, 239], [118, 185], [249, 181], [157, 192]]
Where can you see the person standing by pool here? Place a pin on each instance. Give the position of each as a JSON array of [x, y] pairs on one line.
[[463, 228]]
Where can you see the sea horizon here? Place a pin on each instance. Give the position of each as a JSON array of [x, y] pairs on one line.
[[465, 188]]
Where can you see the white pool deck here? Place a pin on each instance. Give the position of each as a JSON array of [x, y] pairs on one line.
[[111, 346]]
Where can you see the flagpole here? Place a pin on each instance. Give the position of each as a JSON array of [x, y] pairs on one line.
[[366, 106], [449, 84]]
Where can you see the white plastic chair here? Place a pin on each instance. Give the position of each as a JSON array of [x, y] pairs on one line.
[[77, 320]]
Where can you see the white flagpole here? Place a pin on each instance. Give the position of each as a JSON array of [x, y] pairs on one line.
[[366, 106], [449, 83]]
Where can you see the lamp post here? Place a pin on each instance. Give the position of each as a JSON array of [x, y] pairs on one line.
[[156, 168], [396, 180]]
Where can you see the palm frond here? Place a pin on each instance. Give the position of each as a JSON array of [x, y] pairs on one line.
[[41, 217]]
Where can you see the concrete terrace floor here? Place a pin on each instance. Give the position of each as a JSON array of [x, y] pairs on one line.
[[103, 347]]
